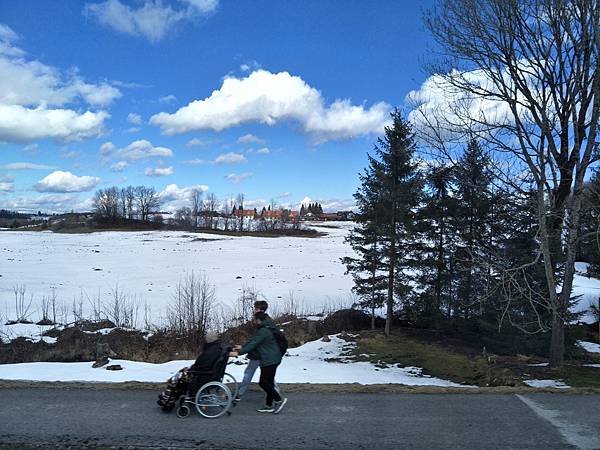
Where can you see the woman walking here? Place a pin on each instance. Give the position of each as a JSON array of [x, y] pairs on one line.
[[266, 345]]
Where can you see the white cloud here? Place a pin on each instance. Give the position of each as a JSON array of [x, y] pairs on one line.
[[250, 139], [199, 142], [263, 151], [237, 178], [305, 201], [31, 149], [134, 118], [7, 33], [107, 148], [167, 99], [197, 162], [250, 65], [32, 96], [174, 197], [231, 158], [272, 98], [133, 129], [154, 20], [25, 166], [49, 203], [119, 166], [158, 171], [141, 149], [63, 182], [70, 154], [20, 124], [6, 183]]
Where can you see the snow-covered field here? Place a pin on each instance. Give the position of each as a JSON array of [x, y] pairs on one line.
[[148, 265], [305, 364]]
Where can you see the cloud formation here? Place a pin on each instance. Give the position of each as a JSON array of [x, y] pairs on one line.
[[174, 197], [63, 182], [231, 158], [272, 98], [153, 20], [6, 183], [250, 139], [158, 171], [137, 150], [49, 202], [134, 118], [119, 166], [33, 97], [237, 178], [25, 166]]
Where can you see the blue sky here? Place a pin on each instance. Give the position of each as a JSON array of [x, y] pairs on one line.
[[276, 100]]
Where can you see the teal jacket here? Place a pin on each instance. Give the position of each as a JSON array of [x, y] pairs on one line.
[[265, 344]]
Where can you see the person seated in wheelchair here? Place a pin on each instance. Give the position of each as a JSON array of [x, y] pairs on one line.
[[209, 366]]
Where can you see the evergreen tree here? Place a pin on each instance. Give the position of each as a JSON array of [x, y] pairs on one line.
[[474, 208], [387, 198], [436, 246]]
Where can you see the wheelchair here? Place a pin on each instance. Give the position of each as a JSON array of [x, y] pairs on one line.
[[211, 399]]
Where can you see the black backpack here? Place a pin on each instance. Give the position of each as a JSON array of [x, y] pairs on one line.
[[281, 340]]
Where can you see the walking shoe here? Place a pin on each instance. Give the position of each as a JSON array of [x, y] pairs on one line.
[[237, 399], [279, 405], [266, 409]]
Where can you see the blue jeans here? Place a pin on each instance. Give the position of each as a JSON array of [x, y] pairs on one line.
[[253, 364]]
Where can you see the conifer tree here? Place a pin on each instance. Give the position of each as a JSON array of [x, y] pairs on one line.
[[390, 190]]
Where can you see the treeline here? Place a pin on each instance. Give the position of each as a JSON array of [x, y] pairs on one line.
[[206, 212], [440, 242], [131, 202]]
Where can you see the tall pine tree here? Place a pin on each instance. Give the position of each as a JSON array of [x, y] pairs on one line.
[[391, 189]]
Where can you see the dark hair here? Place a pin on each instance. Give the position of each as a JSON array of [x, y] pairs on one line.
[[261, 304], [261, 316]]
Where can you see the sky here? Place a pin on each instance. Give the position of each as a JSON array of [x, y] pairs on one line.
[[280, 101]]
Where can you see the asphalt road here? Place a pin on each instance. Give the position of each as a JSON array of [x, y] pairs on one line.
[[96, 418]]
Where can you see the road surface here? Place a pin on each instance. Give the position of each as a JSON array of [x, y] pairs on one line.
[[98, 418]]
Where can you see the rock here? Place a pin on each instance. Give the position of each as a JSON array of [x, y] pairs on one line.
[[114, 367], [238, 277], [101, 362], [326, 338], [103, 352]]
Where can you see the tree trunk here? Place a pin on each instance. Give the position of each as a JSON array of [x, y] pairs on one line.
[[557, 342], [390, 293]]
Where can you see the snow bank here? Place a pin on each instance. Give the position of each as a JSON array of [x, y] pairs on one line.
[[590, 347], [557, 384], [305, 364]]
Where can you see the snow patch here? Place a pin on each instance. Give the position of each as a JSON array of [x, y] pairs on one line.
[[590, 347], [557, 384], [314, 362]]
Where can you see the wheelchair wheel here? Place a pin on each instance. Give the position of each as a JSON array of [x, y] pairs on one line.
[[183, 411], [213, 400], [231, 383]]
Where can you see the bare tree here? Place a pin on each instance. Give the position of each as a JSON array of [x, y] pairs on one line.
[[523, 76], [184, 217], [197, 206], [226, 208], [22, 305], [106, 203], [190, 311], [211, 204], [147, 200], [240, 202]]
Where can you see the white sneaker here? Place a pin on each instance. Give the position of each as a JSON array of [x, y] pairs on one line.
[[266, 409], [279, 405]]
